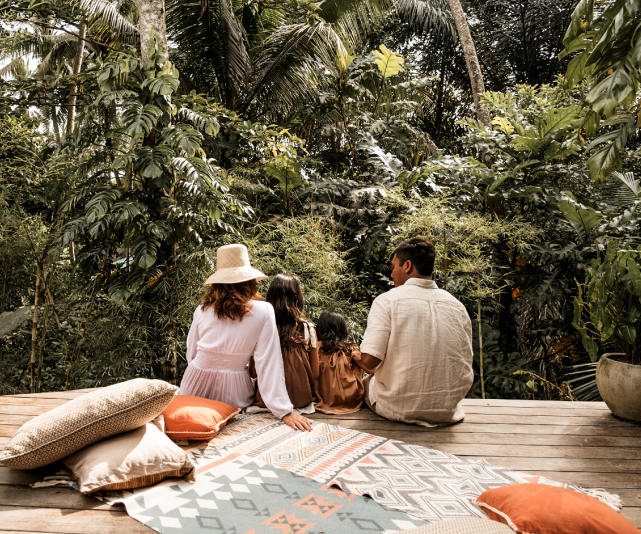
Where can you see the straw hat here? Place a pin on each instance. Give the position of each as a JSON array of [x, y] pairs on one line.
[[233, 267]]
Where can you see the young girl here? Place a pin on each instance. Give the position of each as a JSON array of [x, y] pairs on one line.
[[340, 384], [297, 342]]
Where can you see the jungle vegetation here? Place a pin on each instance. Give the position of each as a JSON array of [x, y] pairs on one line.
[[137, 137]]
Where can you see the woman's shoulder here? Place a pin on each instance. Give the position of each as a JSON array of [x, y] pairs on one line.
[[262, 308]]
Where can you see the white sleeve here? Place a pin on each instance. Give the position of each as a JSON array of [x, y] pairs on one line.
[[270, 370], [193, 337], [378, 331]]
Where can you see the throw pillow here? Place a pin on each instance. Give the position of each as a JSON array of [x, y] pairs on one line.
[[468, 525], [135, 459], [537, 508], [189, 417], [86, 420]]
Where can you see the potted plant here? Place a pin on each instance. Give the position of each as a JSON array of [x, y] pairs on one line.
[[607, 313]]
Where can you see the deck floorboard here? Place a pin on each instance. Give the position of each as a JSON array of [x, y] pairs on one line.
[[577, 443]]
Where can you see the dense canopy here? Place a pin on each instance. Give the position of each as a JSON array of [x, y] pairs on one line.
[[136, 139]]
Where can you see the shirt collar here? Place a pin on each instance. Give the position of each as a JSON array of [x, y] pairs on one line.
[[421, 282]]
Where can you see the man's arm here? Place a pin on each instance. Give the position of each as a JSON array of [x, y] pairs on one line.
[[368, 362], [377, 334]]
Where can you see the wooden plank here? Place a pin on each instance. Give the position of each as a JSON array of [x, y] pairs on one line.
[[536, 451], [527, 412], [586, 465], [10, 419], [534, 403], [590, 480], [66, 521], [588, 430], [472, 438], [20, 409], [607, 419], [8, 430], [25, 477], [32, 401], [53, 497], [68, 395]]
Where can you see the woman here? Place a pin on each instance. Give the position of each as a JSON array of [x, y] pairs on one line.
[[230, 326]]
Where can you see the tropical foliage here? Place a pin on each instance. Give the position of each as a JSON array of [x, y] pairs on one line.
[[320, 135]]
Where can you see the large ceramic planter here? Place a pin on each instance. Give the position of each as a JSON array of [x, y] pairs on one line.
[[620, 386]]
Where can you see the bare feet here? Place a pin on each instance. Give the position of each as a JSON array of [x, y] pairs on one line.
[[298, 422]]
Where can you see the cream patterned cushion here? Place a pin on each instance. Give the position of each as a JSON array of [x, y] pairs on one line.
[[469, 525], [135, 459], [86, 420]]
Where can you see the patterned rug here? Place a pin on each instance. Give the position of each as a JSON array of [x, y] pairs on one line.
[[287, 481], [237, 494]]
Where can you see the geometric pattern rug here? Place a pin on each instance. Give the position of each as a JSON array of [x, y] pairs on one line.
[[397, 483], [240, 496]]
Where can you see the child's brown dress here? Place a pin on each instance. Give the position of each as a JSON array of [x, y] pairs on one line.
[[339, 388], [298, 371]]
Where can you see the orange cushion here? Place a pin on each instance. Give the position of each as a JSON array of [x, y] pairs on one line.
[[189, 417], [541, 509]]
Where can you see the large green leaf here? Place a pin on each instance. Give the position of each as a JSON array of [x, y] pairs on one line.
[[287, 171], [388, 62], [587, 217]]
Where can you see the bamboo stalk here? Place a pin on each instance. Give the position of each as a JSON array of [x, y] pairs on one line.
[[34, 330], [478, 320]]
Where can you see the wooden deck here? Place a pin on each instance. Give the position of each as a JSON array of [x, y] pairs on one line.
[[580, 443]]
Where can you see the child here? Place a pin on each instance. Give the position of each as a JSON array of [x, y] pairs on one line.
[[297, 342], [340, 384]]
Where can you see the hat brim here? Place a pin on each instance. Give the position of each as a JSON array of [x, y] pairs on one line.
[[234, 275]]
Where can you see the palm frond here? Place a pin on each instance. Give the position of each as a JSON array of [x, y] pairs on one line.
[[621, 189], [426, 16], [353, 20], [292, 65], [15, 68], [108, 14]]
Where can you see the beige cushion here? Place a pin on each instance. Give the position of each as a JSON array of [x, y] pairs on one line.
[[134, 459], [86, 420], [469, 525]]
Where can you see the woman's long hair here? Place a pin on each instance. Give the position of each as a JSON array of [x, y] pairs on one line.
[[231, 301], [286, 296], [332, 332]]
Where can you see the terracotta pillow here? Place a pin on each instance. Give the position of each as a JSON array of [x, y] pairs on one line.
[[135, 459], [189, 417], [468, 525], [86, 420], [541, 509]]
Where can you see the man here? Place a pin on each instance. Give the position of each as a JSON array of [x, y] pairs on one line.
[[419, 340]]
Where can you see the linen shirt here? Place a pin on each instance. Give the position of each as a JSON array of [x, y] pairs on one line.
[[423, 337]]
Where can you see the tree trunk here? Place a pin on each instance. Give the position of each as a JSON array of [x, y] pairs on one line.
[[34, 328], [151, 22], [77, 65], [471, 59]]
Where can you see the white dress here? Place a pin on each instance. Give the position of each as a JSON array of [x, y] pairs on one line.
[[218, 351]]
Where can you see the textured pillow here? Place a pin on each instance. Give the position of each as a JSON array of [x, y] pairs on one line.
[[189, 417], [142, 457], [469, 525], [86, 420], [537, 508]]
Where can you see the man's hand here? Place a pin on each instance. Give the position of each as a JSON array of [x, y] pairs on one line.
[[370, 361], [298, 422]]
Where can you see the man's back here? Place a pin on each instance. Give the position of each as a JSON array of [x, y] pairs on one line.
[[423, 335]]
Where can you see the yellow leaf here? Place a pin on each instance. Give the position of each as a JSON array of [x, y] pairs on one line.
[[503, 125], [388, 62]]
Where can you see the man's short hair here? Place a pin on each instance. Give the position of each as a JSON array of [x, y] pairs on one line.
[[420, 252]]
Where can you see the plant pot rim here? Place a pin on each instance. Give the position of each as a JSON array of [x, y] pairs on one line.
[[608, 354]]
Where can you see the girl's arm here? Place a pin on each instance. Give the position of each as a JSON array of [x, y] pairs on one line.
[[314, 345], [362, 366], [313, 361]]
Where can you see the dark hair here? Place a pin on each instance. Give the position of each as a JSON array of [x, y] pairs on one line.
[[231, 300], [332, 331], [286, 296], [420, 252]]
